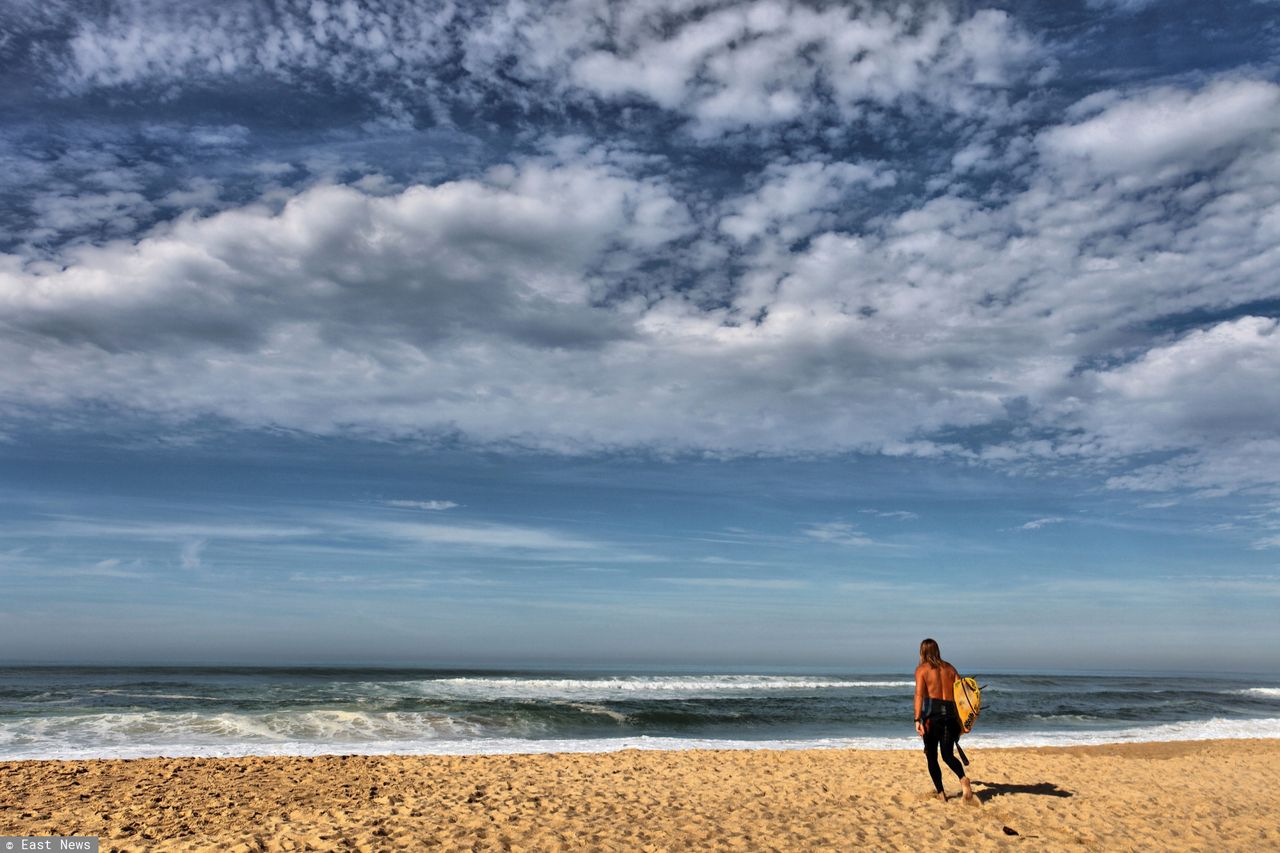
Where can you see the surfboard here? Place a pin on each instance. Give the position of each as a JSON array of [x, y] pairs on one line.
[[968, 702]]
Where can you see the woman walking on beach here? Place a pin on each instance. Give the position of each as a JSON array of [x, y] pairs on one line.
[[937, 720]]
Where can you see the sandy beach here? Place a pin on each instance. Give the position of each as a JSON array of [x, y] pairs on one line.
[[1206, 795]]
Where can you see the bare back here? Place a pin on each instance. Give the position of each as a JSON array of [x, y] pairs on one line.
[[935, 682]]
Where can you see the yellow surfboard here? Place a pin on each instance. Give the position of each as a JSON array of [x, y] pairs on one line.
[[968, 702]]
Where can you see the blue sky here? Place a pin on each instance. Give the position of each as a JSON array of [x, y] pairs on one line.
[[712, 333]]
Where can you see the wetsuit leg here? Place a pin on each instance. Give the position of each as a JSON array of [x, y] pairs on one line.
[[933, 730], [949, 733]]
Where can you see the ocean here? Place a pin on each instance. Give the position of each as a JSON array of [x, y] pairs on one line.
[[123, 712]]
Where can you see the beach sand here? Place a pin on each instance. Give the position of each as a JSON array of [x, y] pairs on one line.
[[1206, 795]]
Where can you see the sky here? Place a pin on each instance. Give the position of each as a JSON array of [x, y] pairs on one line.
[[650, 333]]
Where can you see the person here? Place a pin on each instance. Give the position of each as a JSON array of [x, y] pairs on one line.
[[937, 720]]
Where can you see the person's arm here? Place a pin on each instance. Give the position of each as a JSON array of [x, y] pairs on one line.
[[920, 694]]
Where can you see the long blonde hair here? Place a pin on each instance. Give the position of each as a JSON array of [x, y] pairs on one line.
[[930, 654]]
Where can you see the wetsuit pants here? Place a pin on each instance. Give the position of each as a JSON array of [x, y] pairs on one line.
[[942, 730]]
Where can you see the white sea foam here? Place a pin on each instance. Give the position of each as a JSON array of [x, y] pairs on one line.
[[599, 710], [632, 687], [1214, 729], [1065, 718], [155, 732], [181, 696], [1267, 692], [336, 733]]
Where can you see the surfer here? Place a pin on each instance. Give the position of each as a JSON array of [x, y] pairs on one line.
[[937, 720]]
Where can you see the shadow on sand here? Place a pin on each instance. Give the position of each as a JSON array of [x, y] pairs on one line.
[[1040, 789]]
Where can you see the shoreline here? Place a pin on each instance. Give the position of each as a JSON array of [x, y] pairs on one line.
[[967, 744], [1214, 794], [646, 743]]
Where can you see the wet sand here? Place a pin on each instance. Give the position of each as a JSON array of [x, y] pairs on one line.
[[1207, 795]]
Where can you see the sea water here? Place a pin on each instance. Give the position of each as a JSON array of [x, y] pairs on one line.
[[98, 712]]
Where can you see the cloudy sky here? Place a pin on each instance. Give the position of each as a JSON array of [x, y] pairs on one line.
[[659, 332]]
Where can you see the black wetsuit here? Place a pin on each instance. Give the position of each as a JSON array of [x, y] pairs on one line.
[[941, 728]]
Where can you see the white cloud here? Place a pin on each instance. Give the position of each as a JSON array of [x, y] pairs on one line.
[[112, 567], [466, 306], [838, 533], [190, 557], [896, 514], [166, 531], [350, 43], [485, 536], [1219, 382], [115, 213], [1043, 522], [431, 506], [762, 63], [577, 302], [724, 66], [1212, 396], [1166, 132], [793, 200]]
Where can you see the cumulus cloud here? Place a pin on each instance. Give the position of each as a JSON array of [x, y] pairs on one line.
[[510, 256], [1065, 293], [1214, 383], [531, 306], [1036, 524], [112, 213], [460, 307], [764, 63], [722, 66], [793, 200], [1210, 397], [1166, 132], [139, 42]]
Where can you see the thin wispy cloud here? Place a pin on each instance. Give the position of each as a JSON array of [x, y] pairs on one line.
[[838, 533], [492, 536], [166, 531], [1036, 524], [737, 583], [429, 506], [111, 569], [320, 533], [896, 514], [191, 557]]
